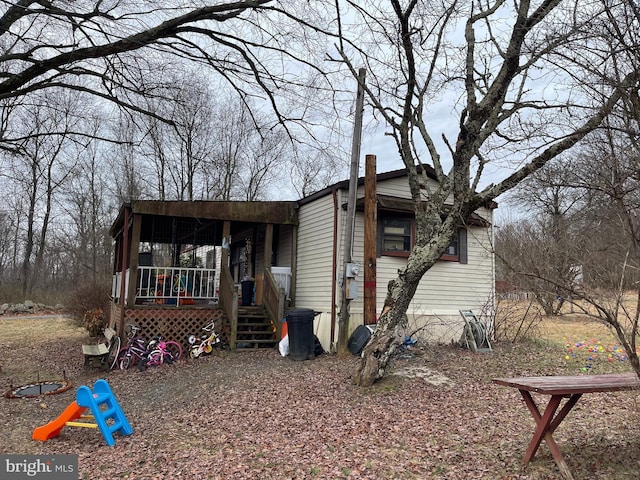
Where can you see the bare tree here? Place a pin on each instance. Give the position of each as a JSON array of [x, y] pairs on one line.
[[607, 173], [612, 261], [268, 155], [88, 209], [176, 152], [499, 81], [313, 169], [6, 246], [213, 149], [121, 54], [129, 174], [112, 51], [546, 244], [248, 154], [38, 169]]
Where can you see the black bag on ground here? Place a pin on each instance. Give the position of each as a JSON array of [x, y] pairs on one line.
[[359, 339]]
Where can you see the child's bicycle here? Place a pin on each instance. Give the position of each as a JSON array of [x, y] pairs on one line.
[[135, 349], [204, 344], [159, 352]]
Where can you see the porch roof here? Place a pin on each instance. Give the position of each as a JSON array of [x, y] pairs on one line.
[[193, 216]]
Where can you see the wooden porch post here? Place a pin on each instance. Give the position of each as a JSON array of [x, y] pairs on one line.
[[268, 245], [370, 243], [225, 276], [226, 241], [133, 259], [125, 257], [294, 263]]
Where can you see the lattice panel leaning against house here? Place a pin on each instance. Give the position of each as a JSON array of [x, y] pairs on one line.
[[172, 324]]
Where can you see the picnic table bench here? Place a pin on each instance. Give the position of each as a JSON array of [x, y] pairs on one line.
[[559, 388]]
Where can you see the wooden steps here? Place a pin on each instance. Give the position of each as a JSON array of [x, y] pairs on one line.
[[255, 329]]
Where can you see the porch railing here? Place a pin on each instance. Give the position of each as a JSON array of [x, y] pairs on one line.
[[229, 302], [177, 286], [282, 275], [273, 296], [116, 285]]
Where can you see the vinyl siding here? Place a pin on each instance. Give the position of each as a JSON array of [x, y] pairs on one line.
[[448, 286], [444, 290], [314, 273], [397, 187]]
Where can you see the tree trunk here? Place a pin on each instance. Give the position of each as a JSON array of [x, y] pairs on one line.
[[376, 356], [389, 332]]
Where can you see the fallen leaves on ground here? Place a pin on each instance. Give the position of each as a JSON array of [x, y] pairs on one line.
[[257, 415]]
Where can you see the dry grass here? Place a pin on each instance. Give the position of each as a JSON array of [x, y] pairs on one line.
[[38, 334], [575, 328], [259, 416]]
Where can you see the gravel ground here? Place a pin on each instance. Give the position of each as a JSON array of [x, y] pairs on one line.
[[257, 415]]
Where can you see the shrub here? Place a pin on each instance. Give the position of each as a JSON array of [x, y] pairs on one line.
[[516, 321], [94, 321], [82, 303]]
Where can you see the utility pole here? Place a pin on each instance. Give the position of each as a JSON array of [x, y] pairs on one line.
[[370, 234], [351, 215]]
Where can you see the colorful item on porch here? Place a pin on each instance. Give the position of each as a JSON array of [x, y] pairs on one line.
[[179, 287]]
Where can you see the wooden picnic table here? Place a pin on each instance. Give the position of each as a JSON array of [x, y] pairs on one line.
[[559, 388]]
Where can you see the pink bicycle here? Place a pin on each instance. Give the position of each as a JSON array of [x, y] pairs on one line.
[[160, 352], [135, 349]]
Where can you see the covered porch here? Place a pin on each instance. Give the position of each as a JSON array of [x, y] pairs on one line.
[[177, 265]]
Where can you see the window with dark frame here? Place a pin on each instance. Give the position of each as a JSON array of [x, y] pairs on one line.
[[397, 234], [452, 253]]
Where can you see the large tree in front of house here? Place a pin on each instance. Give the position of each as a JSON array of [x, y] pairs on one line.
[[525, 81]]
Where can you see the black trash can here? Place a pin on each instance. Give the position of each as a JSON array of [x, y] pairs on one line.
[[247, 292], [359, 339], [300, 330]]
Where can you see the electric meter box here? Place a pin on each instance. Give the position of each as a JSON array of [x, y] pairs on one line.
[[353, 269]]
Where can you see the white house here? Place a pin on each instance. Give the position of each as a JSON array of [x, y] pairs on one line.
[[463, 279], [293, 253]]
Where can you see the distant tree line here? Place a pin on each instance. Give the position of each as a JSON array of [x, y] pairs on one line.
[[581, 231], [77, 162], [106, 103]]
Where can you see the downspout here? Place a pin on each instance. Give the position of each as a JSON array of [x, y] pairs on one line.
[[334, 268], [492, 325], [125, 265]]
